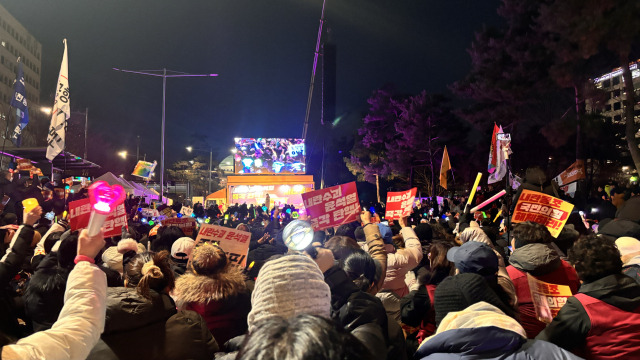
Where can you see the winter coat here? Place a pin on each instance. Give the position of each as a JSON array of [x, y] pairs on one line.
[[632, 271], [609, 332], [631, 268], [482, 331], [223, 301], [364, 316], [137, 328], [19, 250], [400, 261], [44, 296], [543, 263], [79, 325]]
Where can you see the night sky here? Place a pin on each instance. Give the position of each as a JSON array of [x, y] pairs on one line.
[[262, 49]]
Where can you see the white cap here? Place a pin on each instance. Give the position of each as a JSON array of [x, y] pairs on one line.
[[181, 248]]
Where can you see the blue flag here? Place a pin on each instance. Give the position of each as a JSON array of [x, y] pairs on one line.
[[19, 102]]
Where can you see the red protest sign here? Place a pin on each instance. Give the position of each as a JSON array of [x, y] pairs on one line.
[[332, 206], [542, 209], [573, 173], [80, 212], [235, 243], [186, 224], [400, 204]]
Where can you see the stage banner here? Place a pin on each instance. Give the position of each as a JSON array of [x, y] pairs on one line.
[[332, 206], [547, 298], [80, 212], [573, 173], [144, 169], [400, 204], [186, 224], [542, 209], [235, 243]]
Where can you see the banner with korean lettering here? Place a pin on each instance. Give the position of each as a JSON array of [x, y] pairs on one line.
[[573, 173], [80, 212], [547, 298], [332, 206], [235, 243], [400, 204], [186, 224], [542, 209]]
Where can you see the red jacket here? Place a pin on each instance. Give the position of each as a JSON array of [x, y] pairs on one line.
[[545, 266], [601, 322], [613, 333]]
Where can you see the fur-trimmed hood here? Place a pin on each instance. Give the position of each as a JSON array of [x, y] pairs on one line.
[[192, 288]]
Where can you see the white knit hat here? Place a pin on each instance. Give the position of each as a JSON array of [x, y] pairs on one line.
[[288, 286], [628, 245], [112, 259]]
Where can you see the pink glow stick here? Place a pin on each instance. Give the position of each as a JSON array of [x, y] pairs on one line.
[[489, 200], [104, 199]]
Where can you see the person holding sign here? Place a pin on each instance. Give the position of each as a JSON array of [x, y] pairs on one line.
[[602, 321], [533, 255]]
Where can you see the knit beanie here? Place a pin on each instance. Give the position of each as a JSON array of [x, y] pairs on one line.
[[288, 286], [628, 245], [112, 259], [456, 293]]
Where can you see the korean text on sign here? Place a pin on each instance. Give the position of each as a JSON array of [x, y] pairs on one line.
[[332, 206], [80, 212], [186, 224], [235, 243], [547, 298], [400, 204], [542, 209]]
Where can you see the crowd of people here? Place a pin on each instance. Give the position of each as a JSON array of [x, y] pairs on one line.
[[442, 283]]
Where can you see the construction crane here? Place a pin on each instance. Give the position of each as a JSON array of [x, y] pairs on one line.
[[313, 72]]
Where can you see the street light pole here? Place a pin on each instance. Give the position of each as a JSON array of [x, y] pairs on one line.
[[191, 148], [163, 74]]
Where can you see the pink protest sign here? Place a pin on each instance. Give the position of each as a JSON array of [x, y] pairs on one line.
[[332, 206], [400, 204], [80, 212]]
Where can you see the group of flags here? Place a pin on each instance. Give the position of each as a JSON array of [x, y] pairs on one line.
[[498, 154], [59, 114]]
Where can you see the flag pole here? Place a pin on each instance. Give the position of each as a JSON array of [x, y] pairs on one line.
[[4, 136]]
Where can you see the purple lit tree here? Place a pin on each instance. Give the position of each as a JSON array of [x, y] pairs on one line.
[[368, 158]]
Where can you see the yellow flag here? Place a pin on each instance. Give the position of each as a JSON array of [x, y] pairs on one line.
[[446, 166]]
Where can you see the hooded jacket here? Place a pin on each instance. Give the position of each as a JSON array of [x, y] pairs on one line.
[[572, 328], [10, 265], [364, 316], [44, 296], [482, 331], [223, 301], [543, 263], [400, 261], [137, 328], [79, 325]]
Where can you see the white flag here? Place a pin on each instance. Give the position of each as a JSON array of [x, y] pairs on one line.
[[61, 111]]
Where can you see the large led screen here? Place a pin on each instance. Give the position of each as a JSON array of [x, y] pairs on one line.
[[269, 156]]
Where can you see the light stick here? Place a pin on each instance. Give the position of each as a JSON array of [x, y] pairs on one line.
[[104, 199], [497, 216], [489, 200], [298, 235], [475, 187]]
